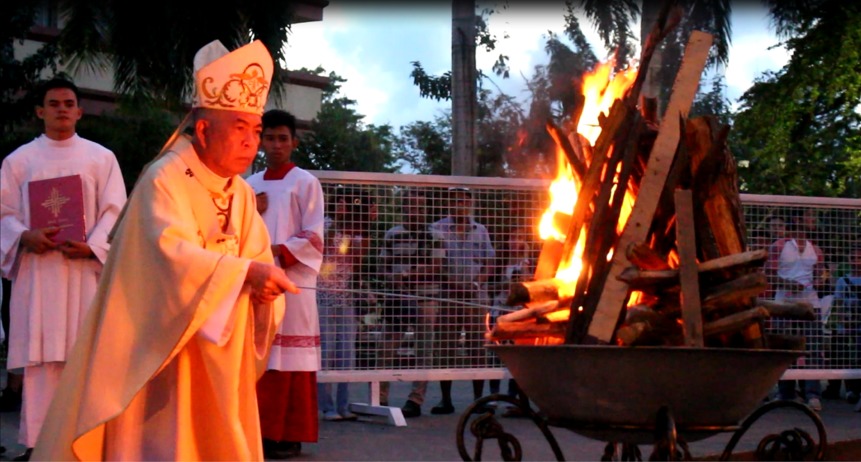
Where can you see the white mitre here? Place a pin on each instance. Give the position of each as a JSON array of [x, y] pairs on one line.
[[232, 81]]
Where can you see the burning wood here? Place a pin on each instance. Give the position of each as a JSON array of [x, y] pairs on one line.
[[644, 242]]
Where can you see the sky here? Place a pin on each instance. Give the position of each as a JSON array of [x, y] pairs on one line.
[[373, 46]]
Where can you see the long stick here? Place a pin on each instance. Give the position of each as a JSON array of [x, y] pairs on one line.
[[414, 297]]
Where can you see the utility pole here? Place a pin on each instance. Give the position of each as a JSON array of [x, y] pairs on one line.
[[463, 87]]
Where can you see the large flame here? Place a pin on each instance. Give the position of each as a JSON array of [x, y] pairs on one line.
[[600, 90]]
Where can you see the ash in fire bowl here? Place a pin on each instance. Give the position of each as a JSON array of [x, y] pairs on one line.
[[614, 394]]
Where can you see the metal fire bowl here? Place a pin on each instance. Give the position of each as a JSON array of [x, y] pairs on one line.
[[612, 393]]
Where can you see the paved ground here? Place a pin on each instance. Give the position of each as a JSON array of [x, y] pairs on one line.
[[432, 438]]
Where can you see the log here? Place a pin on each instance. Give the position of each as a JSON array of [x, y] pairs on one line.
[[522, 330], [734, 261], [715, 188], [578, 166], [612, 299], [643, 257], [644, 326], [789, 310], [737, 291], [601, 237], [536, 291], [649, 280], [688, 274], [548, 259], [532, 311], [735, 322]]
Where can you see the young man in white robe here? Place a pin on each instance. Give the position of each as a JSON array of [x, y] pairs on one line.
[[167, 360], [53, 281], [291, 202]]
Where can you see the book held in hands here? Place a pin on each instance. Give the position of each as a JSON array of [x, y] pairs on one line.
[[58, 202]]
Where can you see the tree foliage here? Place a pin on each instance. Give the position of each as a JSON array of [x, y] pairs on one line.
[[798, 130], [340, 140], [19, 78], [425, 146], [150, 46]]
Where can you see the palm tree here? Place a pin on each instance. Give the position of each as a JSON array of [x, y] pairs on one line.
[[150, 45], [612, 19]]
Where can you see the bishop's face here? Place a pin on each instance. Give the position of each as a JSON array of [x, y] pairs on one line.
[[227, 141]]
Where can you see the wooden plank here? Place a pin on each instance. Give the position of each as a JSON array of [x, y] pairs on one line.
[[661, 158], [686, 241]]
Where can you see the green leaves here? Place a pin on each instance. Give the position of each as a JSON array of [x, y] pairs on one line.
[[797, 130]]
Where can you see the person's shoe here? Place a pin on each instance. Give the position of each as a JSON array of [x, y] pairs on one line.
[[25, 455], [852, 397], [830, 393], [291, 448], [411, 409], [272, 450], [442, 408], [814, 404], [10, 400], [347, 415], [332, 416]]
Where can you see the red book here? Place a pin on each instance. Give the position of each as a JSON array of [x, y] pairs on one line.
[[59, 202]]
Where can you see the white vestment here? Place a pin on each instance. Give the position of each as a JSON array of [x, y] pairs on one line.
[[166, 363], [294, 218]]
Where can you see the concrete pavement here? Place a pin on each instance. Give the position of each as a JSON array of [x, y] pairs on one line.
[[432, 437]]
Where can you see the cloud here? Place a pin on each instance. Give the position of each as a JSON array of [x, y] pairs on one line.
[[372, 46]]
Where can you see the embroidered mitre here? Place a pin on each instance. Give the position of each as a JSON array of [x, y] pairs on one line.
[[232, 81]]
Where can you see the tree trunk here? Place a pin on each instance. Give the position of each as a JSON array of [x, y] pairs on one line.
[[463, 90]]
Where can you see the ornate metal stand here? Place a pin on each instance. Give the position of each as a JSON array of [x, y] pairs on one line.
[[794, 444]]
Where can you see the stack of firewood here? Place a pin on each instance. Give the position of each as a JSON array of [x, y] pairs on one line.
[[679, 272]]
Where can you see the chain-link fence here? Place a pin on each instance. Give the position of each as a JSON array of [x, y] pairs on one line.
[[417, 267]]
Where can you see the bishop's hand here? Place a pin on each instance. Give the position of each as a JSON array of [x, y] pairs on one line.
[[268, 282]]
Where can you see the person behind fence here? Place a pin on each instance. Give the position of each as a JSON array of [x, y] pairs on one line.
[[518, 266], [53, 281], [412, 262], [339, 293], [468, 264], [291, 202], [796, 269], [187, 306], [845, 323]]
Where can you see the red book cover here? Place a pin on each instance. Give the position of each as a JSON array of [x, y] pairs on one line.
[[59, 202]]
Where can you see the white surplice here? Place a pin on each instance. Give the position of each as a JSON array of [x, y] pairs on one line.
[[50, 293], [294, 219]]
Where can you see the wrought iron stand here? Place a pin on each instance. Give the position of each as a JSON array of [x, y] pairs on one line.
[[794, 444]]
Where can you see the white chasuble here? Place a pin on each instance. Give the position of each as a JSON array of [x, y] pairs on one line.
[[144, 381]]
